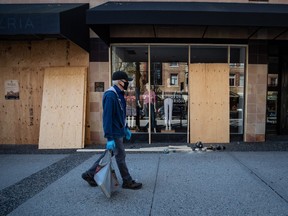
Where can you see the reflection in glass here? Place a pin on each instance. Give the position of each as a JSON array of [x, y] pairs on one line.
[[169, 81], [134, 61], [162, 100], [271, 111], [272, 80], [149, 99], [236, 83]]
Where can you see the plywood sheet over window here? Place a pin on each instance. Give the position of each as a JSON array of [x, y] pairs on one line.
[[209, 103], [63, 108], [20, 118]]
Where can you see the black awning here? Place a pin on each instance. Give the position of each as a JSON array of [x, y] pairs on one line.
[[189, 13], [102, 17], [39, 21]]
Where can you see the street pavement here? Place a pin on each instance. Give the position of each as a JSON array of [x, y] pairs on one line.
[[174, 183]]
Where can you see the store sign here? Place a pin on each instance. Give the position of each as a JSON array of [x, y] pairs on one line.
[[29, 24], [16, 23], [11, 90]]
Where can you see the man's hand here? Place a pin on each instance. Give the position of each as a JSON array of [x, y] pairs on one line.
[[110, 145], [127, 133]]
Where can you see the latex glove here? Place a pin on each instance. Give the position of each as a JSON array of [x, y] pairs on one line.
[[127, 133], [110, 145]]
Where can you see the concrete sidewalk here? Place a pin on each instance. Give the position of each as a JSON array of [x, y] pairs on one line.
[[181, 183]]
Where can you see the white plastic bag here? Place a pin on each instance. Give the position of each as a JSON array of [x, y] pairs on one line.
[[105, 175]]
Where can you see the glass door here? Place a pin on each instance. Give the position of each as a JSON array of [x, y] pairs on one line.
[[236, 84], [134, 61], [169, 88]]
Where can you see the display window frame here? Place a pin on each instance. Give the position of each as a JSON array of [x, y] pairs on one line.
[[150, 134]]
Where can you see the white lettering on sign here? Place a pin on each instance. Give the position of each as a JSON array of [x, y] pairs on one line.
[[14, 23]]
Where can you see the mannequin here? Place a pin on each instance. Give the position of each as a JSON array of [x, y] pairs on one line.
[[150, 98], [168, 109], [138, 109], [130, 108]]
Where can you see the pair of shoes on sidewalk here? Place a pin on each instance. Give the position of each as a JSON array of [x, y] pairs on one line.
[[87, 177], [132, 185]]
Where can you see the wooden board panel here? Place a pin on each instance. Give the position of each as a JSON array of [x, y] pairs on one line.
[[209, 103], [24, 62], [20, 119], [63, 108]]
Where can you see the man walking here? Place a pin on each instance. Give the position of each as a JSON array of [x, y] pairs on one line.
[[115, 129]]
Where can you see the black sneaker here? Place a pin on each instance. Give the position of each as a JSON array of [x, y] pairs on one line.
[[132, 185], [89, 179]]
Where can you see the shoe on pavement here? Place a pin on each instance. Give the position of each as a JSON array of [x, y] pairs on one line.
[[89, 179], [132, 185]]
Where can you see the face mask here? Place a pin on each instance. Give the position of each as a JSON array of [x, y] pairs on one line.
[[126, 84]]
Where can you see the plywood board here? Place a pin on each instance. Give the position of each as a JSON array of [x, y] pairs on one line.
[[63, 108], [209, 103], [20, 119], [25, 62]]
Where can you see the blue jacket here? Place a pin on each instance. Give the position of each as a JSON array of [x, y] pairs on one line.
[[114, 113]]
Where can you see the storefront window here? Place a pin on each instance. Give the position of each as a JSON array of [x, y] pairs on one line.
[[174, 79], [158, 104], [237, 72], [171, 105], [271, 108], [156, 70], [134, 61], [272, 95], [158, 99], [272, 80]]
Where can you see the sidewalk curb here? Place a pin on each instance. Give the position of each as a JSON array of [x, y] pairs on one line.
[[166, 149]]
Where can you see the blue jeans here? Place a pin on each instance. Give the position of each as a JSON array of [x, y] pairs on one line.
[[120, 156]]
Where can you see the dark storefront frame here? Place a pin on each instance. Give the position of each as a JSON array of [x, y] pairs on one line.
[[162, 137], [256, 24]]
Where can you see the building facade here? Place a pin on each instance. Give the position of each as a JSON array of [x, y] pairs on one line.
[[213, 71]]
